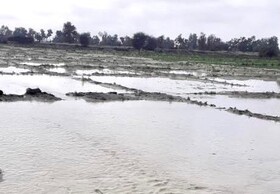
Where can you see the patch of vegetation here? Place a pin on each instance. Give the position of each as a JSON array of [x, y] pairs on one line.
[[210, 58]]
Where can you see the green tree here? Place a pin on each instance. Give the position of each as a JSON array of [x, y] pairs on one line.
[[69, 33], [109, 40], [138, 40], [269, 47], [84, 39], [38, 37], [49, 33], [202, 42], [58, 37], [150, 43], [43, 34], [20, 32], [31, 33], [192, 43], [168, 43], [95, 40], [126, 41], [180, 42], [5, 33]]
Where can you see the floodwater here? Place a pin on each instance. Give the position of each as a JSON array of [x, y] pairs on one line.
[[262, 106], [135, 147], [17, 84], [72, 146], [185, 88], [171, 86]]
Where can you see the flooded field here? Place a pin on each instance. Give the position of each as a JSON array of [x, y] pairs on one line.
[[134, 125]]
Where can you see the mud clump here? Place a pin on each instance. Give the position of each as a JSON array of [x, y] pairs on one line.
[[30, 94], [33, 92], [37, 94], [101, 97]]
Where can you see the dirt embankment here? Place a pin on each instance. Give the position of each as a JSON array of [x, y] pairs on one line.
[[30, 94]]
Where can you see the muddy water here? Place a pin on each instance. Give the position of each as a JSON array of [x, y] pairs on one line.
[[135, 147]]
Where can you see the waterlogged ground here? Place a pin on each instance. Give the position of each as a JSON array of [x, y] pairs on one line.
[[190, 143]]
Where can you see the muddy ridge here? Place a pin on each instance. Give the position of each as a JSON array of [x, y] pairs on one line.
[[156, 96], [30, 94], [243, 94], [255, 115], [114, 96]]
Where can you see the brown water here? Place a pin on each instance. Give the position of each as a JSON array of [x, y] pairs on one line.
[[135, 147]]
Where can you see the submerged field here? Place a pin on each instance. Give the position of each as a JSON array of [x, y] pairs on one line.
[[141, 124]]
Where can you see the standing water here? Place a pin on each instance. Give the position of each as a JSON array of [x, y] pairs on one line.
[[135, 147]]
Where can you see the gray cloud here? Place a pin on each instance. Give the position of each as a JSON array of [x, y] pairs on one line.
[[225, 18]]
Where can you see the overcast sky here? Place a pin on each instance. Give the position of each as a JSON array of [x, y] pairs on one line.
[[224, 18]]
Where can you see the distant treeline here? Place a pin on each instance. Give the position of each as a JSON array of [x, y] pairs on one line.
[[266, 47]]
